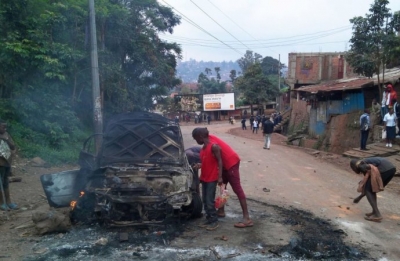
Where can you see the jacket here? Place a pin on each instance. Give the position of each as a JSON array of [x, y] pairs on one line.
[[268, 127]]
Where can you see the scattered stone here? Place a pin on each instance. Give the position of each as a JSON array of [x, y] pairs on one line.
[[101, 242], [14, 179], [123, 237], [38, 162], [51, 221], [339, 206], [41, 251], [348, 208]]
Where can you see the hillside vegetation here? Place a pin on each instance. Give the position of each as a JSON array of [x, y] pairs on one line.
[[45, 68]]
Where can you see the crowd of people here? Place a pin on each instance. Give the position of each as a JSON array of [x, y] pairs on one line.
[[388, 113]]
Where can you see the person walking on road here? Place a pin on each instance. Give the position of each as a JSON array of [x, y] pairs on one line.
[[268, 128], [378, 172], [227, 162], [390, 122], [255, 126], [365, 125], [243, 124]]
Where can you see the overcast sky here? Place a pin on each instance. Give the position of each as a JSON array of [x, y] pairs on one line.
[[267, 27]]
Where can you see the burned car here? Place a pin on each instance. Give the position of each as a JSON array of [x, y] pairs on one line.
[[140, 175]]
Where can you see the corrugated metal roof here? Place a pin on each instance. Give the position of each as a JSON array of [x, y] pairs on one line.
[[391, 75], [339, 85]]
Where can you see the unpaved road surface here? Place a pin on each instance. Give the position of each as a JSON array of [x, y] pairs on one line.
[[307, 215]]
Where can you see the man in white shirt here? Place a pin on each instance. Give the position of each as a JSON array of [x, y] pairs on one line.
[[255, 126]]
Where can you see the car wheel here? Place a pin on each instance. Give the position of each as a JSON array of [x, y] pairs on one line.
[[196, 206]]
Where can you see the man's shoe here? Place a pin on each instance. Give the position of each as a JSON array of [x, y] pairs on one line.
[[204, 224], [390, 145], [267, 148], [387, 144], [212, 226], [4, 207], [264, 148], [13, 206]]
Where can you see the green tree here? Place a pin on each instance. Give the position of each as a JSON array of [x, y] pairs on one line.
[[217, 70], [232, 75], [207, 85], [373, 40], [45, 65], [255, 86], [248, 59]]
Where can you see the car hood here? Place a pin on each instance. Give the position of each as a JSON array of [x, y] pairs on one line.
[[141, 138]]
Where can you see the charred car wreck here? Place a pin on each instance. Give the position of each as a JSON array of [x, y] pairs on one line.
[[140, 175]]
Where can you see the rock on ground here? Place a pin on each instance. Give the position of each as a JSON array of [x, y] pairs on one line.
[[51, 221]]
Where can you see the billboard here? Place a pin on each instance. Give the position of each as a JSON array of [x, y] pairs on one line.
[[190, 102], [219, 102]]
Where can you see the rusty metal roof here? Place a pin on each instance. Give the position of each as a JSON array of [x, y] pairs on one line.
[[338, 85]]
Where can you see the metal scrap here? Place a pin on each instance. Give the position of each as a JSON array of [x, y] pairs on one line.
[[214, 251]]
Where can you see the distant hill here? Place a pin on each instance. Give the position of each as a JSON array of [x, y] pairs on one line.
[[189, 71]]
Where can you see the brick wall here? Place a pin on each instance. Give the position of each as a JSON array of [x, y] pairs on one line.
[[298, 114], [307, 69], [312, 68]]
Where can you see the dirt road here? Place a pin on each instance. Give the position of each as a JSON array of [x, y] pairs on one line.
[[308, 214], [301, 180]]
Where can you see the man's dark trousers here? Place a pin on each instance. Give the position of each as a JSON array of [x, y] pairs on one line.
[[364, 138], [208, 192]]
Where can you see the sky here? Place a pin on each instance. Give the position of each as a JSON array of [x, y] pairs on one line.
[[268, 27]]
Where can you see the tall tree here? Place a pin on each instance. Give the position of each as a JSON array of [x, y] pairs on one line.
[[207, 85], [45, 60], [373, 40], [232, 75], [217, 70], [249, 59], [255, 86]]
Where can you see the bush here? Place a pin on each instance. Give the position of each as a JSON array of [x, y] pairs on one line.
[[56, 136]]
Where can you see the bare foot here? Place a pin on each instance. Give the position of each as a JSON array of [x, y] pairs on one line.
[[356, 200], [369, 214]]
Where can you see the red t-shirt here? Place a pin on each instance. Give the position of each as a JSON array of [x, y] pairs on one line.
[[209, 164], [229, 157]]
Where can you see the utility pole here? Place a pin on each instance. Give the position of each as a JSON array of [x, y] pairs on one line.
[[279, 82], [97, 113]]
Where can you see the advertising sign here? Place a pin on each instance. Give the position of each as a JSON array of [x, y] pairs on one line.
[[190, 102], [219, 102]]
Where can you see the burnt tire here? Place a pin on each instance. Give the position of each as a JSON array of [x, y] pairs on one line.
[[196, 206]]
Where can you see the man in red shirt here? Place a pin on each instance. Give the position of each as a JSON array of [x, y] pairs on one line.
[[209, 176], [223, 159]]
